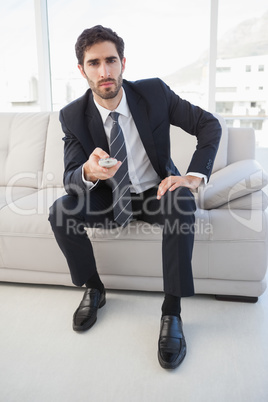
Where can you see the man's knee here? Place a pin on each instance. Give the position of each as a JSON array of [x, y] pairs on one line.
[[55, 214], [181, 202], [64, 209]]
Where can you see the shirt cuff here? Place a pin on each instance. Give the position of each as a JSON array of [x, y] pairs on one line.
[[200, 175], [89, 184]]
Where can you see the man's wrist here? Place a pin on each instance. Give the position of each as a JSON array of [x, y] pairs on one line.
[[89, 183], [87, 176], [200, 175]]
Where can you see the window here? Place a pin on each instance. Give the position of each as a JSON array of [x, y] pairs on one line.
[[241, 46], [226, 89], [159, 41], [245, 58], [223, 69], [18, 61], [167, 39], [224, 107]]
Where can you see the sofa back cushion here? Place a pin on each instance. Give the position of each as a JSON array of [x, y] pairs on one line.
[[31, 149], [53, 160], [183, 146], [241, 144], [22, 146]]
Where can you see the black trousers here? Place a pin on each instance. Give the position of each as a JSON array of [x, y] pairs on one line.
[[69, 215]]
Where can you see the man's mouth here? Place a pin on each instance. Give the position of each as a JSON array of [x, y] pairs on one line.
[[106, 83]]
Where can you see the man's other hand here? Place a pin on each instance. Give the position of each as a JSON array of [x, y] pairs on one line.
[[172, 182]]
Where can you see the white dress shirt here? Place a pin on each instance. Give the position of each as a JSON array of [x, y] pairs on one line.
[[141, 172]]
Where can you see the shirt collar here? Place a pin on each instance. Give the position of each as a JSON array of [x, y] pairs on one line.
[[122, 108]]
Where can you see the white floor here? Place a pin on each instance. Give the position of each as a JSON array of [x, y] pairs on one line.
[[43, 359]]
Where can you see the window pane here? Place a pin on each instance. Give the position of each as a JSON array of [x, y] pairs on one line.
[[18, 61], [242, 66], [160, 38]]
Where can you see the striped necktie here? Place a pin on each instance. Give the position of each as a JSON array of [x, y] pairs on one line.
[[120, 182]]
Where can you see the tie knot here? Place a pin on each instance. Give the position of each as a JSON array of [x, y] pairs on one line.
[[114, 116]]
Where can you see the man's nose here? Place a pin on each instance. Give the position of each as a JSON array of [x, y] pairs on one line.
[[104, 70]]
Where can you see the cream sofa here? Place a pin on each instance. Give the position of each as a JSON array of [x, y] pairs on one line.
[[230, 251]]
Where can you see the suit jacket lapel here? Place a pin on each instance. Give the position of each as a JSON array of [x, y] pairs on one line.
[[138, 110], [95, 125]]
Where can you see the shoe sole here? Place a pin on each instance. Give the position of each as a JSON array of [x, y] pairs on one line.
[[88, 325]]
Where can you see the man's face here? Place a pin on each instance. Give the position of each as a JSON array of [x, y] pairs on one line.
[[103, 70]]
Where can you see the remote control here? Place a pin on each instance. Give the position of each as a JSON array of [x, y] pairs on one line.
[[107, 162]]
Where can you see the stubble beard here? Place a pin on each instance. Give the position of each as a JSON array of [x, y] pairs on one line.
[[106, 93]]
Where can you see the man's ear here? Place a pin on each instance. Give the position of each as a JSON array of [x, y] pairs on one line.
[[81, 69], [123, 64]]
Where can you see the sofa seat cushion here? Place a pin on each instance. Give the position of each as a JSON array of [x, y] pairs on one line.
[[26, 239], [144, 232], [233, 225], [213, 225], [257, 201], [8, 195], [136, 249], [28, 215]]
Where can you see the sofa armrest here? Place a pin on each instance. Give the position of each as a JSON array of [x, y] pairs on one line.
[[257, 201], [232, 182]]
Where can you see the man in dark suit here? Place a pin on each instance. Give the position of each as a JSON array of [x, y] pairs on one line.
[[129, 121]]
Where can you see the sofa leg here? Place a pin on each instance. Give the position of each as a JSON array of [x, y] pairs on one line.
[[242, 299]]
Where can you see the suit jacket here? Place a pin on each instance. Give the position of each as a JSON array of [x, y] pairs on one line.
[[153, 107]]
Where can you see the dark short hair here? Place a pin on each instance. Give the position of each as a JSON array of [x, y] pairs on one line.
[[97, 34]]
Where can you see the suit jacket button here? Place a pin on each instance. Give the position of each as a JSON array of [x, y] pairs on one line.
[[209, 164]]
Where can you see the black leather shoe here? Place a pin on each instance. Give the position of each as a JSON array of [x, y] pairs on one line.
[[86, 314], [171, 344]]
